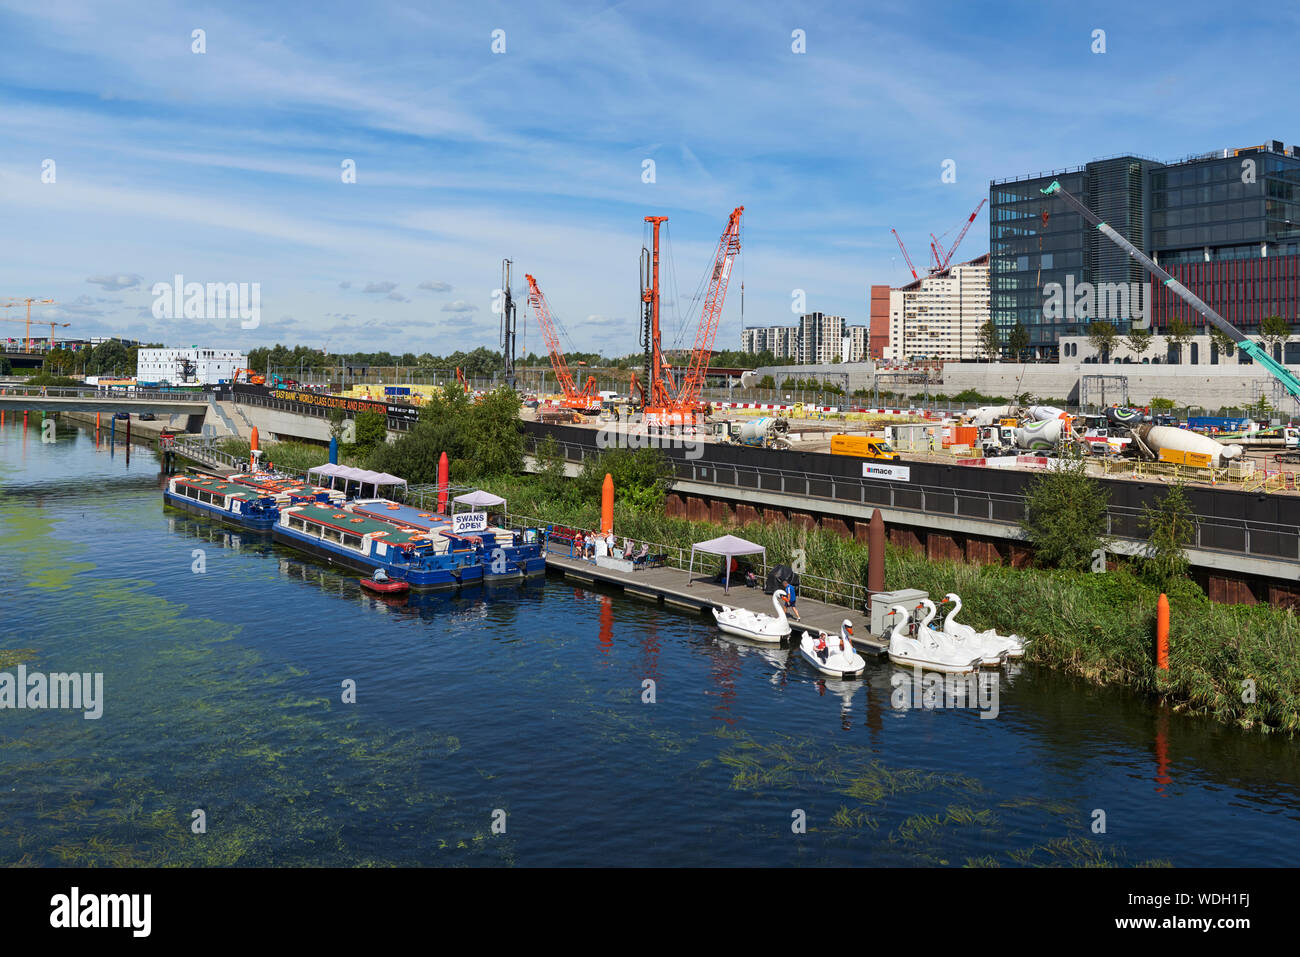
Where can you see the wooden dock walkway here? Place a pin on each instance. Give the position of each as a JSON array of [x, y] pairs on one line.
[[669, 586]]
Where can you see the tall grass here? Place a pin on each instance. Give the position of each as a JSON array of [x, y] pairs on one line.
[[1237, 663]]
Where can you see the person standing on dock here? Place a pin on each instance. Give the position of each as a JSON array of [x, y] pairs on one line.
[[790, 597]]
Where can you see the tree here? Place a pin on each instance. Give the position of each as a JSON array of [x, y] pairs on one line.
[[1138, 340], [1102, 336], [1222, 341], [550, 466], [1274, 332], [1170, 528], [989, 342], [1018, 341], [371, 431], [1179, 333], [642, 477], [1065, 513], [480, 438]]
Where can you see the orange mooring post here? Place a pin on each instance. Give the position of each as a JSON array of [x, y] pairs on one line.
[[97, 415], [607, 505], [1162, 633], [443, 470]]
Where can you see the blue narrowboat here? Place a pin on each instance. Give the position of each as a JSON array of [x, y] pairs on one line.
[[342, 536]]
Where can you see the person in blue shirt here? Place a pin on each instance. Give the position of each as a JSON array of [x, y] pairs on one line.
[[789, 594]]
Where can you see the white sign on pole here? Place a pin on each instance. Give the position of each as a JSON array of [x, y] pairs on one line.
[[462, 523], [895, 473]]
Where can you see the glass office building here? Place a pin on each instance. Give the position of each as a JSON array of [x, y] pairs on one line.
[[1225, 223]]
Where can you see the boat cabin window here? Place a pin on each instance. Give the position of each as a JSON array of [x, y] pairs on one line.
[[298, 523], [331, 534], [351, 541]]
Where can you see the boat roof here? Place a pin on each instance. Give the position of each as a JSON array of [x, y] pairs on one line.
[[331, 515], [389, 511], [221, 487], [278, 485]]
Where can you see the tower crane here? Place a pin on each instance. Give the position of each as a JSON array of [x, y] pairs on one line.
[[9, 303], [1253, 349], [906, 258], [588, 400], [942, 258], [61, 325]]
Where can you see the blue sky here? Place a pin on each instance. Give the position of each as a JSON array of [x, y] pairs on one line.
[[225, 166]]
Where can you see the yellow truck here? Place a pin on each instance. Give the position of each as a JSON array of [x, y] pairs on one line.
[[863, 446]]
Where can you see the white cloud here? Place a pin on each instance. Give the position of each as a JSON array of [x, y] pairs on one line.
[[380, 287], [435, 286], [117, 282], [460, 305]]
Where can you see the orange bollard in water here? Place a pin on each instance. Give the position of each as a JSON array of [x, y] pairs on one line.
[[607, 505], [1162, 633]]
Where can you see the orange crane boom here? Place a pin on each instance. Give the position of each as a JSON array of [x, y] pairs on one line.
[[711, 313], [587, 400]]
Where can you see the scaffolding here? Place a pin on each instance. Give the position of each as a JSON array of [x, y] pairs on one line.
[[1101, 390]]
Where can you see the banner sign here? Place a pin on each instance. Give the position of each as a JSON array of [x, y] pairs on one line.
[[895, 473], [462, 523], [321, 400]]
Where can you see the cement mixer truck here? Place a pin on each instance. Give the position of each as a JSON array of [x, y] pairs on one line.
[[767, 433]]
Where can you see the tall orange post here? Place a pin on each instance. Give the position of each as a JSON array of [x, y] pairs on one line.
[[252, 450], [1162, 633], [607, 505], [443, 475], [97, 415]]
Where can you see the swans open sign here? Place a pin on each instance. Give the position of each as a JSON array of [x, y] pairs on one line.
[[466, 522]]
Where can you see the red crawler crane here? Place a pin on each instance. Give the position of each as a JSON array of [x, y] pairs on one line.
[[588, 400], [666, 406]]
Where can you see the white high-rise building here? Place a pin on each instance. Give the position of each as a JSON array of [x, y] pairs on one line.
[[820, 338], [938, 317], [188, 366], [781, 341]]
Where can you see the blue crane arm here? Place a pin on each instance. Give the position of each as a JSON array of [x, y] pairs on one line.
[[1253, 349]]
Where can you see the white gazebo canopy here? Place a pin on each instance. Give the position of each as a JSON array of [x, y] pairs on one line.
[[728, 546], [362, 477], [479, 499]]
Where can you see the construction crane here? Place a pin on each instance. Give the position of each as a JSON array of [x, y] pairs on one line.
[[1253, 349], [507, 323], [664, 403], [62, 325], [9, 303], [688, 398], [588, 400], [906, 258], [941, 257]]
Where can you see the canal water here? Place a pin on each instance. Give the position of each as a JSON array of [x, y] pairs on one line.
[[224, 662]]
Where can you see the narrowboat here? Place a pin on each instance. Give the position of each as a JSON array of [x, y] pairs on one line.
[[223, 500], [343, 537], [505, 554]]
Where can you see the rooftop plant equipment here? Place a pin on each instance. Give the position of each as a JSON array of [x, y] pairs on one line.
[[1253, 349]]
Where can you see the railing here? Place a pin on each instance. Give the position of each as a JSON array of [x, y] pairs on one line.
[[1264, 540], [828, 590], [202, 450], [68, 392], [395, 423]]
